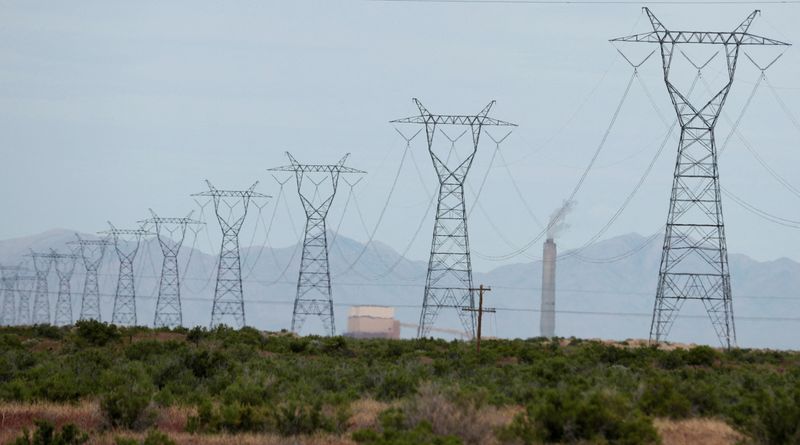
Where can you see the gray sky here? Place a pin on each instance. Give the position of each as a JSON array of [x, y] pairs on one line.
[[109, 108]]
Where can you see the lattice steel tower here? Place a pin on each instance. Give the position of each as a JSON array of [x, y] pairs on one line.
[[228, 294], [126, 243], [9, 275], [314, 295], [694, 262], [42, 262], [92, 253], [24, 293], [64, 264], [170, 233], [449, 280]]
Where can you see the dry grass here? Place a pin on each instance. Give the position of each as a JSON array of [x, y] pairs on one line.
[[474, 425], [16, 416], [697, 431], [227, 439], [364, 414]]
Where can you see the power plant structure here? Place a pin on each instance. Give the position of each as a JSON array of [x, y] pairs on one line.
[[547, 319], [372, 322], [449, 278], [228, 293], [314, 296], [694, 261], [170, 233]]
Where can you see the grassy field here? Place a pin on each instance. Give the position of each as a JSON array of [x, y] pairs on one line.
[[136, 385]]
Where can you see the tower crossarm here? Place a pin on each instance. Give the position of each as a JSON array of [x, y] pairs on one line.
[[214, 192], [711, 38], [91, 242], [739, 36], [132, 232], [232, 194], [162, 220], [316, 168], [453, 119]]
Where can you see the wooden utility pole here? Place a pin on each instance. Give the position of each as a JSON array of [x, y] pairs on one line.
[[480, 310]]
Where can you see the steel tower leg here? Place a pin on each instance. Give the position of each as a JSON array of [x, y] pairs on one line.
[[314, 296], [41, 299], [125, 297], [9, 278], [65, 267], [24, 306], [168, 304]]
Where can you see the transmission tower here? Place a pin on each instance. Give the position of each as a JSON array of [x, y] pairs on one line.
[[65, 266], [9, 275], [314, 295], [126, 243], [694, 261], [42, 262], [170, 233], [24, 294], [449, 279], [231, 209], [92, 252]]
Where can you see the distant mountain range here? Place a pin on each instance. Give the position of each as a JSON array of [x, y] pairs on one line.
[[606, 291]]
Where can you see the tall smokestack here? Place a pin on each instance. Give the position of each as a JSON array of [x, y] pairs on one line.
[[547, 323]]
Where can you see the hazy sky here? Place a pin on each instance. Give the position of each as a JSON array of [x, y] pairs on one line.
[[109, 108]]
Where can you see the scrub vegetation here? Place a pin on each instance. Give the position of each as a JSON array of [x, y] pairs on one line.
[[97, 383]]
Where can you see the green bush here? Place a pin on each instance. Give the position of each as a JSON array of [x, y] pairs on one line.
[[774, 419], [46, 434], [569, 416], [94, 333], [394, 431], [127, 399]]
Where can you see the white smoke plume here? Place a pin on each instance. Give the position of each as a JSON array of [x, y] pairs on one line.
[[557, 223]]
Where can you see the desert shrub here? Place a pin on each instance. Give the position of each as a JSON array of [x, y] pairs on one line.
[[661, 398], [229, 418], [293, 419], [46, 434], [771, 417], [395, 431], [395, 383], [569, 416], [95, 333], [449, 415], [127, 399], [48, 331], [702, 356]]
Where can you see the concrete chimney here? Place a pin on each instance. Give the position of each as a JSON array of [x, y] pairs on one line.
[[547, 323]]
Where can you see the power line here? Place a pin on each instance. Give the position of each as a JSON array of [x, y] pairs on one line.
[[601, 2]]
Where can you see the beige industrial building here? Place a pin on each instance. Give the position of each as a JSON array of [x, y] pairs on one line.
[[372, 322]]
